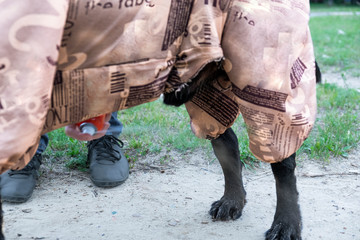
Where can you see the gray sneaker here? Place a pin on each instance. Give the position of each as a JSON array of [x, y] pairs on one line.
[[108, 165], [18, 186]]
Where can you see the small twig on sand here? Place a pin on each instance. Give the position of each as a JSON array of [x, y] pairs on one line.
[[330, 174]]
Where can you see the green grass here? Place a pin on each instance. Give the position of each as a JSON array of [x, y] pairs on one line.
[[71, 152], [154, 124], [319, 7], [336, 42], [336, 131], [152, 128]]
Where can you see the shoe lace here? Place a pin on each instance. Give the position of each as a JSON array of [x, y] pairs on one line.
[[27, 170], [105, 147]]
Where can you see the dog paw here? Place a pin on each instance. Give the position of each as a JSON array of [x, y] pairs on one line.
[[226, 209], [283, 231]]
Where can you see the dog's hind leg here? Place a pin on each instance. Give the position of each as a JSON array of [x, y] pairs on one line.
[[317, 73], [287, 219], [230, 206]]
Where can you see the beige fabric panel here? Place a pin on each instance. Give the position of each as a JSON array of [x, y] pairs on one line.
[[30, 38], [126, 58], [202, 43], [269, 60]]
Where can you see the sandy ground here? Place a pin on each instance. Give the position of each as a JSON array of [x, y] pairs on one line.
[[344, 79], [171, 201]]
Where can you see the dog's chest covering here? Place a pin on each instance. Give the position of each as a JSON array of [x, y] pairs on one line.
[[111, 55]]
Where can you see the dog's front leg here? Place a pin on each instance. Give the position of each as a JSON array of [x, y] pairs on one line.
[[287, 219], [230, 206]]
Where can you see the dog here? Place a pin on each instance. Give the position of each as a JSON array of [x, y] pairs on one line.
[[221, 58]]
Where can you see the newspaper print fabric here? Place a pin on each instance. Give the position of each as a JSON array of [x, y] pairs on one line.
[[30, 36], [100, 56], [269, 60]]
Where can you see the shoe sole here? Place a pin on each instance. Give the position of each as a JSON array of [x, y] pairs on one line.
[[15, 199], [107, 184]]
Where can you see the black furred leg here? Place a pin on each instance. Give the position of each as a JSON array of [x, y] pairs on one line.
[[230, 206], [287, 219], [317, 73]]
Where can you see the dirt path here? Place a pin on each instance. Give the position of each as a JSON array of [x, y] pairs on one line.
[[345, 80], [325, 14], [171, 202]]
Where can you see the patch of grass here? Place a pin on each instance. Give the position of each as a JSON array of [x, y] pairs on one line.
[[154, 124], [337, 128], [71, 152], [320, 7], [153, 127], [336, 42]]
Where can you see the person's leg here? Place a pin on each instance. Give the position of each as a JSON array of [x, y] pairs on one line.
[[108, 165], [116, 126], [18, 186]]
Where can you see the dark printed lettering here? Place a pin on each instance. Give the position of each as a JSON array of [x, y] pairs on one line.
[[59, 93], [53, 116], [214, 2], [67, 32], [68, 25], [259, 131], [51, 61], [207, 34], [91, 5], [241, 15], [256, 115], [297, 71], [129, 3], [108, 5], [76, 101], [217, 105], [144, 93], [299, 120], [117, 82], [45, 102], [223, 4], [179, 15], [262, 97], [58, 79]]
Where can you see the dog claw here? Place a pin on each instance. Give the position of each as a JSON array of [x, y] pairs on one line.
[[226, 209], [281, 231]]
